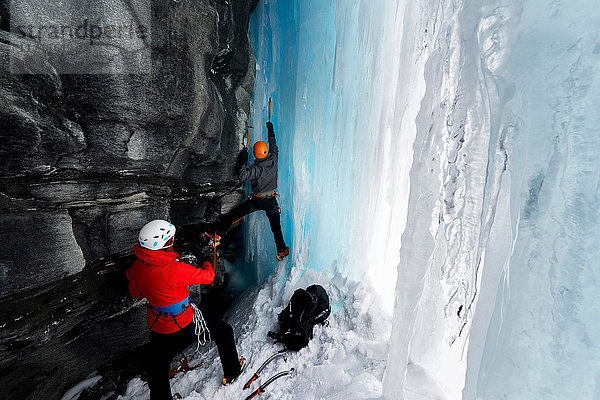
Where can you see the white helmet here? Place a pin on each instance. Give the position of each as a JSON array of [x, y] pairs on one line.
[[156, 234]]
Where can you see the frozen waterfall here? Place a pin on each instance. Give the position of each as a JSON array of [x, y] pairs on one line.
[[439, 175], [453, 144]]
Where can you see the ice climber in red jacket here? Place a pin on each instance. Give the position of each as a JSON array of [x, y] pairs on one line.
[[162, 278]]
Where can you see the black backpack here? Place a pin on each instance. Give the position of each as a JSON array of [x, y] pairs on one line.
[[306, 309]]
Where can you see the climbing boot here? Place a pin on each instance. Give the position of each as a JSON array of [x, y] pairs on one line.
[[227, 381], [283, 254]]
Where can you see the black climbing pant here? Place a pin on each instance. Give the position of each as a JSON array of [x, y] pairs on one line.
[[268, 204], [163, 347]]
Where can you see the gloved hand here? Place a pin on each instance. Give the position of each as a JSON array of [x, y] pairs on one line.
[[205, 265], [189, 258], [270, 125]]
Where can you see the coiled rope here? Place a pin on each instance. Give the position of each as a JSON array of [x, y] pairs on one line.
[[200, 329]]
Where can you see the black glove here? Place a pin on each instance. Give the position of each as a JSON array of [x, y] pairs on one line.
[[189, 258], [206, 253], [242, 159], [270, 126]]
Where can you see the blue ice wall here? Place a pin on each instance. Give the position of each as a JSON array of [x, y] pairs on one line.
[[276, 79], [506, 189], [295, 45]]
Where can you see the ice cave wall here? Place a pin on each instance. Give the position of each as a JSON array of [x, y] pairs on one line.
[[89, 156], [497, 278]]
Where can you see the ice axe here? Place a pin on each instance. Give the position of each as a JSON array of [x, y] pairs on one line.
[[269, 109], [246, 138]]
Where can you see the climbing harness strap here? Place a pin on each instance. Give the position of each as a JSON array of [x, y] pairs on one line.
[[169, 311], [269, 193], [201, 329], [173, 309]]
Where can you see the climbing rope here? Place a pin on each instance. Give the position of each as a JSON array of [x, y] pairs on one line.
[[200, 329], [215, 253]]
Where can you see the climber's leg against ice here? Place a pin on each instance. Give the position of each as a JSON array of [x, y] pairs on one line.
[[226, 221], [274, 216], [271, 207]]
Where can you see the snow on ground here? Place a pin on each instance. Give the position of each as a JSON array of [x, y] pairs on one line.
[[345, 360], [75, 391]]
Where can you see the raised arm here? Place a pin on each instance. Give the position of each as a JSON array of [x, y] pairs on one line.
[[188, 275], [273, 149]]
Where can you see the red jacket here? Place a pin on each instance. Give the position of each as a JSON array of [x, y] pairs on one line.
[[160, 277]]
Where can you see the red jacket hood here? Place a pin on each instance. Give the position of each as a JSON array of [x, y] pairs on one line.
[[154, 257]]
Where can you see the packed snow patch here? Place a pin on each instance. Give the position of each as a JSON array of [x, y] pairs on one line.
[[345, 359], [75, 391]]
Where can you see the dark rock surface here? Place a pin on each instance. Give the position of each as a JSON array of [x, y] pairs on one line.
[[93, 156], [54, 336], [96, 141]]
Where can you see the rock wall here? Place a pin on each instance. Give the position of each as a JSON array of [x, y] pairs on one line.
[[88, 158], [97, 140]]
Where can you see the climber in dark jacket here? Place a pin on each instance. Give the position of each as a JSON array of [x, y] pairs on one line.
[[262, 175]]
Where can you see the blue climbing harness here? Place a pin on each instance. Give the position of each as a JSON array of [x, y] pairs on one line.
[[173, 309], [200, 329]]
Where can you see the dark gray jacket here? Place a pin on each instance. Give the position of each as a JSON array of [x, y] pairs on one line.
[[263, 172]]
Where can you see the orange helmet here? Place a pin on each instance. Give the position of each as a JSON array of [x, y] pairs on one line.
[[260, 149]]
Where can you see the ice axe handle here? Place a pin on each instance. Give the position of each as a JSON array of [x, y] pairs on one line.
[[269, 109], [247, 385], [254, 394]]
